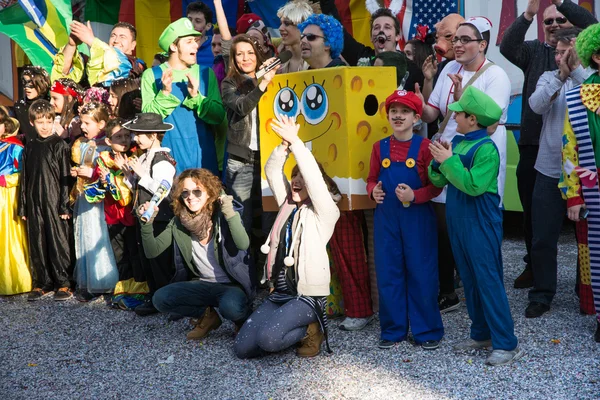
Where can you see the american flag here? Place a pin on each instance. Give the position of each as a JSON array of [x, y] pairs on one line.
[[424, 12]]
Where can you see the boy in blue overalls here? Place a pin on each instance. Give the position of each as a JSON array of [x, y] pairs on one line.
[[474, 220], [405, 231]]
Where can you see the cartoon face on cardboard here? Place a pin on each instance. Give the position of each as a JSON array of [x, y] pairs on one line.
[[444, 33], [341, 112]]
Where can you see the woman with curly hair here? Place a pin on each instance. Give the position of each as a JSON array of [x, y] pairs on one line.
[[36, 84], [580, 156], [211, 245]]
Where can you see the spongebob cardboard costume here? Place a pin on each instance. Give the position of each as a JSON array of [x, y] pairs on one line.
[[341, 112]]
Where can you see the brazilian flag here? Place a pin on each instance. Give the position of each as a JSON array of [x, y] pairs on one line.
[[39, 27]]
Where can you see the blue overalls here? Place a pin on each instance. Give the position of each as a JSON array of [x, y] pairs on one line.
[[475, 230], [191, 141], [406, 254]]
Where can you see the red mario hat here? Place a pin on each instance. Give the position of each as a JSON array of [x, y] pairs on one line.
[[409, 99], [246, 21]]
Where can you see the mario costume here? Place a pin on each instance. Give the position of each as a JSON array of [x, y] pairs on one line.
[[192, 141], [474, 221], [405, 235]]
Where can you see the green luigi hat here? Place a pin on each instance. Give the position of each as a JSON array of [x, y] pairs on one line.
[[181, 28], [483, 107]]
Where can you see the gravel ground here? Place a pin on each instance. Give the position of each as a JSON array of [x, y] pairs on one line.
[[72, 350]]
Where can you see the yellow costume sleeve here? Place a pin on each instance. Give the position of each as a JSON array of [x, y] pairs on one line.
[[569, 183], [76, 71], [103, 60]]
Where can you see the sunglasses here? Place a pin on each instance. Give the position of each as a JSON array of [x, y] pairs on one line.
[[186, 193], [559, 20], [465, 40], [311, 37], [27, 84]]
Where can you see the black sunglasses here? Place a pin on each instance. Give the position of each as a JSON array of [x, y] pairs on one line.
[[311, 37], [559, 20], [465, 40], [186, 193]]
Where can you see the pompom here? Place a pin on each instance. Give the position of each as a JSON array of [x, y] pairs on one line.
[[288, 261], [265, 249]]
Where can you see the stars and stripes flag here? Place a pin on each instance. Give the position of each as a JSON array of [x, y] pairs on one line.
[[423, 12]]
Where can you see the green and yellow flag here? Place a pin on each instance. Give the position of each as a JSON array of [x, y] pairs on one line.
[[39, 27]]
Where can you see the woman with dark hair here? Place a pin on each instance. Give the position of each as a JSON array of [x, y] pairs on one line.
[[297, 261], [212, 245], [122, 96], [36, 85], [66, 97], [241, 93], [417, 50]]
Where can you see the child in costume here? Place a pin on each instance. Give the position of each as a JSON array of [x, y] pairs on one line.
[[579, 182], [66, 96], [474, 218], [36, 84], [15, 277], [405, 229], [95, 269], [118, 203], [154, 166], [44, 204]]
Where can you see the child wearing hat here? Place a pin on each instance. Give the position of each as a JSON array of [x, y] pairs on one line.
[[470, 169], [149, 170], [405, 229]]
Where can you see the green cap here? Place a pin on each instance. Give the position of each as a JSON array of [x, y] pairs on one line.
[[483, 107], [181, 28]]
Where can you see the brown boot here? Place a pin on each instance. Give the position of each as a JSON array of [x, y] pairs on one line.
[[209, 322], [311, 343]]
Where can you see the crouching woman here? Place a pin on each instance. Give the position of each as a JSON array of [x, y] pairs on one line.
[[297, 261], [211, 248]]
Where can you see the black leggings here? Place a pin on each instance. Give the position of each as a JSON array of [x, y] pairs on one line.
[[273, 327]]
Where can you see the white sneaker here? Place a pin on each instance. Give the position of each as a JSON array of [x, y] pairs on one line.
[[355, 324], [503, 357], [470, 344]]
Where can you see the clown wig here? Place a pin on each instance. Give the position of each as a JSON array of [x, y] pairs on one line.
[[588, 44], [332, 30]]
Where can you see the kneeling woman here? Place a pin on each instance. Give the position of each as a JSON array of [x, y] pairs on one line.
[[297, 253], [211, 248]]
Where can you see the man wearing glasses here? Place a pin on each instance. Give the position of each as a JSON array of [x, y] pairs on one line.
[[321, 41], [535, 57]]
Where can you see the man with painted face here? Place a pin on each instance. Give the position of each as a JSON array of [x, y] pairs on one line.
[[185, 95], [534, 57], [108, 61], [385, 33]]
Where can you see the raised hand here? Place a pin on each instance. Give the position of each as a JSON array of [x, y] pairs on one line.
[[439, 152], [430, 67], [457, 81], [286, 127], [378, 193], [82, 32], [192, 86], [419, 94], [532, 9], [167, 81], [120, 160]]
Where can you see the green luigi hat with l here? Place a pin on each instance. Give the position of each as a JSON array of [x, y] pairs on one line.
[[483, 107], [181, 28]]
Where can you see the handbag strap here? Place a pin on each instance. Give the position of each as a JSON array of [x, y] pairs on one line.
[[473, 79]]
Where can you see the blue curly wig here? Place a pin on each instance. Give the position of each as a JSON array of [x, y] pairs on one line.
[[332, 30]]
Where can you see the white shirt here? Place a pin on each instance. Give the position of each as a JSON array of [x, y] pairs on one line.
[[495, 83], [254, 130], [162, 170]]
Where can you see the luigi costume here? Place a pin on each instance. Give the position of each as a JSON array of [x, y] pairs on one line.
[[192, 140], [475, 223], [405, 237]]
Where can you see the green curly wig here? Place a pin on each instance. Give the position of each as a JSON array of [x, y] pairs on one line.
[[588, 44]]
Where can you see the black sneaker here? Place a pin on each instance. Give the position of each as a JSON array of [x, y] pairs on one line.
[[63, 294], [535, 309], [146, 309], [430, 344], [386, 344], [83, 295], [38, 294], [448, 303]]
